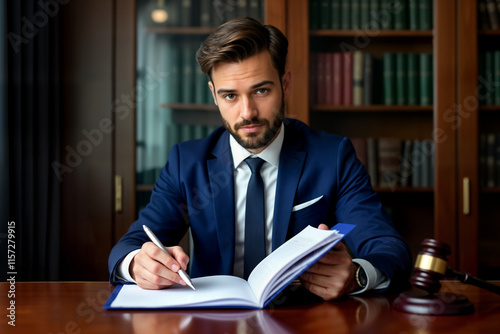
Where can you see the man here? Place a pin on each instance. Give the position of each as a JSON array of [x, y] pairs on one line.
[[309, 178]]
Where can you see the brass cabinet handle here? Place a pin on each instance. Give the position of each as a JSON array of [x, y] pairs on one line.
[[466, 196], [118, 193]]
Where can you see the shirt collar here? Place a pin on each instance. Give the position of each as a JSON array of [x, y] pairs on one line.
[[270, 154]]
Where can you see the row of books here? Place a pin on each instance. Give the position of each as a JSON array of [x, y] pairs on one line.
[[353, 78], [371, 14], [174, 70], [488, 91], [489, 159], [152, 152], [204, 13], [394, 162], [489, 14]]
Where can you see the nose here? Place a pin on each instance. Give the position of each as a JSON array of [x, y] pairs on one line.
[[249, 108]]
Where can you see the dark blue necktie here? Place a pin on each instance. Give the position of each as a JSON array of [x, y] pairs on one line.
[[255, 245]]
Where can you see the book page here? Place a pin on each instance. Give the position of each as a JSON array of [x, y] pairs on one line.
[[211, 291], [265, 277]]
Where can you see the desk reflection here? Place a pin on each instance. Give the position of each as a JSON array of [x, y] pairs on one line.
[[344, 316]]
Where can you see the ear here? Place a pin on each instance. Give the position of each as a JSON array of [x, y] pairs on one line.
[[286, 81], [212, 89]]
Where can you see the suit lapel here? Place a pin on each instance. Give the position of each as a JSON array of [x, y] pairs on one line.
[[290, 168], [220, 172]]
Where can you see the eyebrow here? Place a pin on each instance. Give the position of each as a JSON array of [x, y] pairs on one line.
[[257, 85]]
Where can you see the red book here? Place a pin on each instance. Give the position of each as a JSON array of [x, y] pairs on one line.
[[347, 83], [329, 78], [320, 76], [313, 81], [338, 75]]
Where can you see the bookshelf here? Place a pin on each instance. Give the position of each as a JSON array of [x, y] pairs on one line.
[[418, 211]]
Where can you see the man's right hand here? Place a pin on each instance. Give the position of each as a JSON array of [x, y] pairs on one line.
[[153, 269]]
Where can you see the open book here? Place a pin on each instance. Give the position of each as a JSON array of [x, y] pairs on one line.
[[267, 279]]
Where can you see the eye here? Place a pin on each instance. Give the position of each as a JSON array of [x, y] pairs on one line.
[[229, 97], [262, 91]]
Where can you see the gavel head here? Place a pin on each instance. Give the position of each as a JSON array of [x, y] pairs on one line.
[[430, 265]]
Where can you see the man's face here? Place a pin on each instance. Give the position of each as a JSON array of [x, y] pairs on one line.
[[250, 97]]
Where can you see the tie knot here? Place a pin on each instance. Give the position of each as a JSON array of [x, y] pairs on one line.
[[255, 164]]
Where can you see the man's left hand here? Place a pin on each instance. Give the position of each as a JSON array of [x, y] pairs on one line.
[[333, 275]]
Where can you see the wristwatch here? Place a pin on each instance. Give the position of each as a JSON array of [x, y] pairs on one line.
[[361, 278]]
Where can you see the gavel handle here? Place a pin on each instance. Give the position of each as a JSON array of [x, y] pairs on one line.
[[469, 279]]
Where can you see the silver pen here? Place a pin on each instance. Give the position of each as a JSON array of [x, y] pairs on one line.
[[158, 243]]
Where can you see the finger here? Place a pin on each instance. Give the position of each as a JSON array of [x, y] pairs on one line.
[[179, 255], [161, 256], [323, 227], [150, 274]]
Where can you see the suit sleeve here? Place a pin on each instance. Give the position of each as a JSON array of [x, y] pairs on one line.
[[165, 215], [374, 239]]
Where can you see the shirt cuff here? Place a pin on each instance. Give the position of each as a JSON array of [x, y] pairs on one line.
[[375, 279], [123, 272]]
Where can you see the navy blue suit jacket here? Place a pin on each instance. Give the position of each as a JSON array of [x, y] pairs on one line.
[[196, 189]]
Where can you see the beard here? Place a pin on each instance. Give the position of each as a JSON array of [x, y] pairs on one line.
[[256, 140]]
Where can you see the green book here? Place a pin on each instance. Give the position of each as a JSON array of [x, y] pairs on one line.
[[425, 14], [412, 79], [400, 15], [335, 11], [425, 79], [355, 14], [385, 16], [364, 14], [324, 22], [401, 79], [413, 18], [174, 73], [496, 76], [488, 71], [187, 77], [345, 22], [388, 74], [373, 22], [314, 14]]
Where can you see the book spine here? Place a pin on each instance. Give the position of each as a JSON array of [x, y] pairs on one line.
[[368, 80], [482, 159], [497, 160], [254, 10], [425, 79], [324, 22], [346, 15], [489, 69], [313, 79], [389, 151], [338, 64], [484, 21], [416, 164], [413, 20], [242, 8], [386, 15], [425, 14], [321, 77], [374, 16], [355, 14], [405, 164], [427, 150], [187, 73], [357, 79], [364, 14], [328, 59], [496, 71], [205, 13], [388, 78], [401, 79], [348, 72], [412, 77], [400, 15], [186, 11], [335, 11], [491, 8]]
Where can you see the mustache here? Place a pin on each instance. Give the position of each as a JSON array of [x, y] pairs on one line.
[[246, 122]]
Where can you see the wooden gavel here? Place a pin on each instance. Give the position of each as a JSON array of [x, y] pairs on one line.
[[431, 266]]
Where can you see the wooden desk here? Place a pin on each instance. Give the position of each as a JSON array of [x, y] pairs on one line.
[[76, 307]]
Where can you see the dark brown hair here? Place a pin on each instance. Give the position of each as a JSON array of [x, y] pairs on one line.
[[239, 39]]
